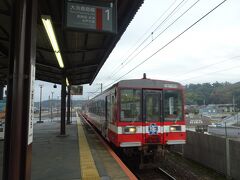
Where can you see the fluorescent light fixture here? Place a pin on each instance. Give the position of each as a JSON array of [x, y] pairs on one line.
[[67, 83], [59, 58], [50, 32]]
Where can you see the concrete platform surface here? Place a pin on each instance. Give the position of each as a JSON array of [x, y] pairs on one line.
[[55, 157], [58, 158], [107, 166]]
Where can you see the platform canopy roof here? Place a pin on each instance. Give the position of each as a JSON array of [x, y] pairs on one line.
[[83, 52]]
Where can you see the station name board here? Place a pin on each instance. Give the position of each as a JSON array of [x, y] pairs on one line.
[[91, 15], [76, 90]]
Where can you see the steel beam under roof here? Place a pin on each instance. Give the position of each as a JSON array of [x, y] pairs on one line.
[[78, 48]]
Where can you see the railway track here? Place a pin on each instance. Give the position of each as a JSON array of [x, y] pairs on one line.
[[142, 174], [166, 173], [153, 174]]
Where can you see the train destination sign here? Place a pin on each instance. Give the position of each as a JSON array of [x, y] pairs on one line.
[[92, 15]]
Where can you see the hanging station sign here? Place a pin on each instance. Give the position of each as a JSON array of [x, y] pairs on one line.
[[76, 90], [88, 15]]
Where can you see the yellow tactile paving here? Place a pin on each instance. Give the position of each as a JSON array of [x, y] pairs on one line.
[[87, 164]]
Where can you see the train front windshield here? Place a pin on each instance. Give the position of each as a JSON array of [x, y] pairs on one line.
[[172, 105], [158, 105]]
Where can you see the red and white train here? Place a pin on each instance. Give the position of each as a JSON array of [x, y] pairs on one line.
[[139, 115]]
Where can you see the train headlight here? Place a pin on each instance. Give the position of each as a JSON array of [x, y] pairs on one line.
[[130, 130], [175, 128]]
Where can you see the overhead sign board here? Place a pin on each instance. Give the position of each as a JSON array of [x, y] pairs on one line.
[[91, 15], [76, 90]]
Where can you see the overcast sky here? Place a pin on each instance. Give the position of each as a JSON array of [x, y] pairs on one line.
[[208, 52]]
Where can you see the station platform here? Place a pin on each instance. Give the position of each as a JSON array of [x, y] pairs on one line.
[[78, 155]]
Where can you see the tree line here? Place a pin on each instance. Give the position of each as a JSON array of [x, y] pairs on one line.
[[215, 93]]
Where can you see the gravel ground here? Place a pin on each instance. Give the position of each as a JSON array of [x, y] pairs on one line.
[[185, 169]]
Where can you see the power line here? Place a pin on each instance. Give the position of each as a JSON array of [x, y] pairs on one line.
[[159, 34], [163, 31], [171, 13], [233, 67], [144, 35], [97, 90], [171, 41], [206, 66]]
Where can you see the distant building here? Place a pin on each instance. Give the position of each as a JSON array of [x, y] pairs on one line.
[[2, 109], [195, 120], [213, 109], [227, 107], [3, 104], [210, 109], [198, 123]]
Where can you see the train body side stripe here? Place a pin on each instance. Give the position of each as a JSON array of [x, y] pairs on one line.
[[144, 129]]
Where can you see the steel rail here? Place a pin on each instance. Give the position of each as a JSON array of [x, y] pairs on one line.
[[166, 173]]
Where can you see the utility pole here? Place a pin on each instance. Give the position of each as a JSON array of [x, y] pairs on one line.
[[49, 104], [101, 87], [57, 106], [233, 107], [237, 118], [71, 108], [233, 103], [68, 104], [40, 105], [52, 107]]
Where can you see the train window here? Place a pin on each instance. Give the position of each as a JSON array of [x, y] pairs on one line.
[[113, 109], [173, 110], [108, 109], [130, 105], [152, 105]]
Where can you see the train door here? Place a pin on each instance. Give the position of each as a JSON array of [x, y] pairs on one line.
[[152, 115]]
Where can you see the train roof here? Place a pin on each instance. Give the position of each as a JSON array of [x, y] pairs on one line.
[[144, 83], [149, 83]]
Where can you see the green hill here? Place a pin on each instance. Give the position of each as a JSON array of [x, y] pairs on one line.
[[216, 93]]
